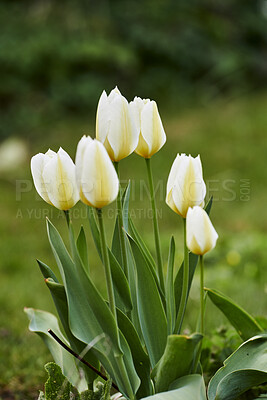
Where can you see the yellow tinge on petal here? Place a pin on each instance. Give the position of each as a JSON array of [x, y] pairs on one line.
[[99, 183], [201, 236], [54, 178]]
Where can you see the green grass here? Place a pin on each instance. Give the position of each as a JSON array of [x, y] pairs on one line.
[[231, 138]]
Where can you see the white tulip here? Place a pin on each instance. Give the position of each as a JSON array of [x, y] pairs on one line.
[[54, 178], [115, 125], [201, 236], [151, 132], [97, 179], [185, 187]]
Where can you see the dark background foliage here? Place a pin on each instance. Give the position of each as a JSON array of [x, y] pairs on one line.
[[57, 56]]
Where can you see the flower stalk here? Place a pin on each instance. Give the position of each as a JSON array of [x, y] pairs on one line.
[[120, 221], [155, 224], [182, 306], [106, 263]]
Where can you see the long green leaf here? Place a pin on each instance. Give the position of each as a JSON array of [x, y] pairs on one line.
[[88, 301], [170, 299], [190, 387], [116, 247], [150, 309], [140, 357], [178, 283], [125, 206], [209, 205], [47, 271], [124, 358], [245, 325], [148, 257], [40, 322], [245, 368], [176, 361], [143, 247], [82, 248], [90, 316], [133, 289], [60, 299]]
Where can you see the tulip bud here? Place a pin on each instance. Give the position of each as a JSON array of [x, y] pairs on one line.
[[185, 187], [151, 132], [201, 236], [54, 178], [115, 125], [97, 179]]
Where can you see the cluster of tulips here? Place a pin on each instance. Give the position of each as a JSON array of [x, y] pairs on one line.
[[133, 290], [121, 129]]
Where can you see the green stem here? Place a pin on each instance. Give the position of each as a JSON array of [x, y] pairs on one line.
[[183, 300], [202, 311], [106, 263], [120, 221], [125, 377], [155, 224], [202, 295], [67, 215]]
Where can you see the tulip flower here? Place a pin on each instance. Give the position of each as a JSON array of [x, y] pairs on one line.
[[201, 236], [151, 132], [97, 179], [115, 125], [54, 178], [185, 187]]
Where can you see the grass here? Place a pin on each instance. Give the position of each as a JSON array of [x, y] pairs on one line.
[[231, 138]]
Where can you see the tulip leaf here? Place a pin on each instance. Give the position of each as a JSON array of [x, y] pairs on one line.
[[190, 387], [94, 230], [150, 308], [116, 247], [125, 206], [245, 325], [140, 357], [170, 299], [148, 257], [40, 322], [133, 289], [90, 317], [209, 205], [176, 361], [120, 282], [245, 368], [82, 247], [121, 286], [178, 282], [60, 299], [143, 247], [47, 271]]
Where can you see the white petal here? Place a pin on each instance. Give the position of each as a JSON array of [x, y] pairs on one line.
[[151, 127], [37, 165], [123, 133], [102, 117], [136, 107], [85, 140], [99, 179], [201, 236], [60, 180]]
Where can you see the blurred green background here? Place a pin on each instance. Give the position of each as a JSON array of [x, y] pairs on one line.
[[205, 63]]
